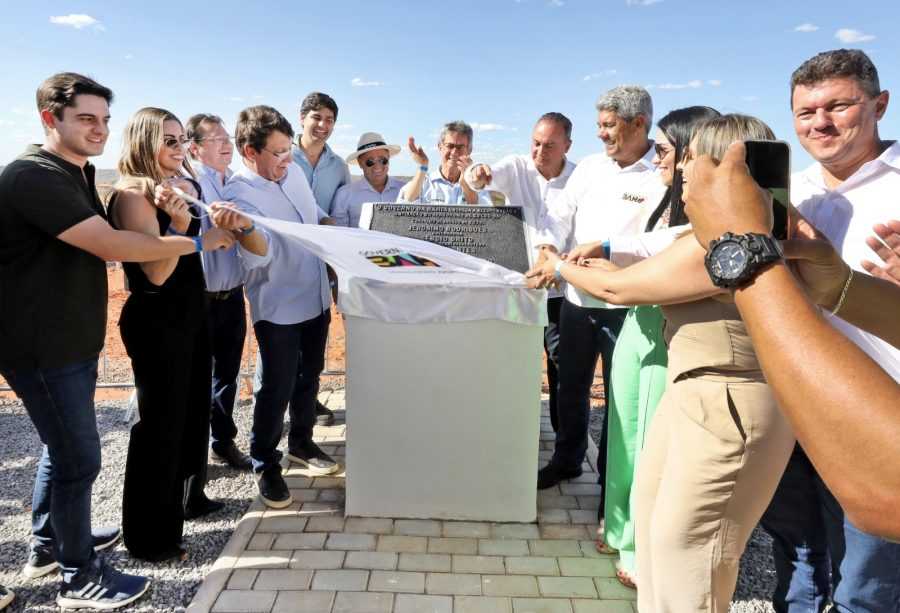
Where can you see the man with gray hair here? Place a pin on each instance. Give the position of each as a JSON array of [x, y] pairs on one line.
[[444, 185], [609, 194]]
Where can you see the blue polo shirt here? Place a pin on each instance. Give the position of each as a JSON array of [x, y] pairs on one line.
[[326, 177]]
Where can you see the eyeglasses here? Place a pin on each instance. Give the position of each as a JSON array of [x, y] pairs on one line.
[[371, 162], [662, 150], [454, 146], [278, 156], [175, 143]]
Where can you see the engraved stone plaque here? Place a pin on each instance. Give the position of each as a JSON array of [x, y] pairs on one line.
[[494, 233]]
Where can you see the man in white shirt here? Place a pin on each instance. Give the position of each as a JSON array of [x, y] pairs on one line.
[[444, 185], [609, 194], [837, 102], [533, 181], [373, 155], [289, 302], [210, 150]]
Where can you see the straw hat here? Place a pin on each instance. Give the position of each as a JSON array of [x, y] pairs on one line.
[[371, 141]]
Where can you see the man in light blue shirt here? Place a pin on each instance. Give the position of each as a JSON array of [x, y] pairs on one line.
[[373, 155], [289, 302], [210, 150], [325, 171], [444, 185]]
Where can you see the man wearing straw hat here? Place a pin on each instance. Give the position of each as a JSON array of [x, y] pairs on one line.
[[373, 155]]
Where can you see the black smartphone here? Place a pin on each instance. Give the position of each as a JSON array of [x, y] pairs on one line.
[[769, 162]]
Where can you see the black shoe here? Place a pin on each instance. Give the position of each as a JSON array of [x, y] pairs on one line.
[[234, 457], [6, 597], [109, 589], [201, 507], [324, 415], [314, 459], [550, 475], [272, 488], [42, 561]]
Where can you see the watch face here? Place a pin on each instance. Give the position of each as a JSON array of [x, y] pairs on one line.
[[729, 260]]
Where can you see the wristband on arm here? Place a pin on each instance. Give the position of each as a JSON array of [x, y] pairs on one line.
[[198, 243]]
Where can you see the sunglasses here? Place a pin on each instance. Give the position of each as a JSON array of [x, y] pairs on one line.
[[371, 162], [175, 143]]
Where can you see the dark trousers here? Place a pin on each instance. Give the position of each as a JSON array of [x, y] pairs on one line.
[[167, 452], [584, 335], [812, 539], [227, 329], [291, 359], [60, 403], [551, 348]]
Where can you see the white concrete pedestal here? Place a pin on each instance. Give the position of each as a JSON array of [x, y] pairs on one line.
[[443, 419]]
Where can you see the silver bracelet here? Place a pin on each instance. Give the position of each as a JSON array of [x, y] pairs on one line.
[[840, 301]]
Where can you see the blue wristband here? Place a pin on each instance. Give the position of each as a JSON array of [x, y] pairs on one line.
[[248, 231], [605, 250], [423, 168], [198, 242]]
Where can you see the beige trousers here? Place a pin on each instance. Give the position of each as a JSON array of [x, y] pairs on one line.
[[714, 455]]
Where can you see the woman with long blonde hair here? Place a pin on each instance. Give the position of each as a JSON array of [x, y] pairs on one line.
[[163, 327], [718, 443]]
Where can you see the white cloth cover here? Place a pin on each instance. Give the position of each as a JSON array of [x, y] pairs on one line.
[[403, 280]]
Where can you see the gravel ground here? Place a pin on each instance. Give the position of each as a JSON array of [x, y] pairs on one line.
[[174, 584]]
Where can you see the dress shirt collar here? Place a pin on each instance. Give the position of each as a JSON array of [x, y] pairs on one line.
[[567, 170], [889, 158], [211, 173], [324, 159], [257, 181], [437, 176]]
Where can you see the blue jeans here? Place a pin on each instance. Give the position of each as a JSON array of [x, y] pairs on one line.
[[60, 403], [227, 329], [584, 335], [812, 540], [291, 359]]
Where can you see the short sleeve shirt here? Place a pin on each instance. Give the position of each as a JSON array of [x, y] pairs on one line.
[[53, 296]]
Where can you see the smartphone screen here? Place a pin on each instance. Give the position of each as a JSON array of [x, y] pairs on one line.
[[769, 162]]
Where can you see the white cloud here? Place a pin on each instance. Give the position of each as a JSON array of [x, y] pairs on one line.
[[234, 99], [641, 2], [77, 21], [694, 84], [488, 127], [129, 56], [806, 27], [848, 36], [599, 75], [358, 82], [555, 3], [714, 82]]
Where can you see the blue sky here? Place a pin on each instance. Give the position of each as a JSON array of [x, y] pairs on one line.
[[405, 68]]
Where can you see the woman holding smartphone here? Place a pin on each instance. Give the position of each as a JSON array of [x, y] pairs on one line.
[[163, 327], [718, 443]]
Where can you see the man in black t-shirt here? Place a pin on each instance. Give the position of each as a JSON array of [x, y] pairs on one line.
[[54, 240]]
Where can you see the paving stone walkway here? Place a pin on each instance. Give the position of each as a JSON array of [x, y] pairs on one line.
[[309, 557]]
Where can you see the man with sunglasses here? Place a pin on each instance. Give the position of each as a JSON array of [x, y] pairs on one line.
[[373, 155], [444, 184], [289, 302], [210, 149]]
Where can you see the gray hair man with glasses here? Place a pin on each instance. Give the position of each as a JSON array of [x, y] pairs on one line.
[[210, 149]]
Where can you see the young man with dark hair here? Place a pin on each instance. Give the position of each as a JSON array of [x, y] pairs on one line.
[[837, 101], [55, 238], [289, 302], [210, 149]]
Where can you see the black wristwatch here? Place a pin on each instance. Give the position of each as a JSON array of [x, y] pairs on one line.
[[734, 259]]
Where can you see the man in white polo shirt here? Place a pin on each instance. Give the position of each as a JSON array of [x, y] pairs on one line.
[[373, 155], [532, 182], [837, 102], [609, 194]]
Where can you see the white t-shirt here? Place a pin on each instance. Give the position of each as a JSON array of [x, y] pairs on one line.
[[601, 200], [519, 180], [846, 215]]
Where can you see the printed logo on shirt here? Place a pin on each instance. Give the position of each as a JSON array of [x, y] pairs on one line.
[[392, 258], [636, 198]]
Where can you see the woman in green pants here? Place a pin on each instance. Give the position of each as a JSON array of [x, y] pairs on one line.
[[639, 361]]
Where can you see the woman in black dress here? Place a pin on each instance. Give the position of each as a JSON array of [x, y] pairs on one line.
[[163, 326]]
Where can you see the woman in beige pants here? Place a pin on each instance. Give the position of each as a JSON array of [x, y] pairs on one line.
[[718, 444]]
